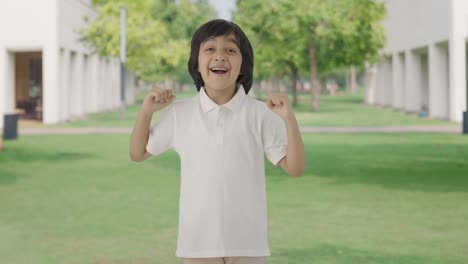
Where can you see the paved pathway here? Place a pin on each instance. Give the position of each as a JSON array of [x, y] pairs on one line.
[[126, 130]]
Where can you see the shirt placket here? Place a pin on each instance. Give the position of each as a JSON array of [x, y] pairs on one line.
[[220, 124]]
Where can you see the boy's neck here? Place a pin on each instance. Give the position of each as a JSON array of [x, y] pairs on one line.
[[220, 97]]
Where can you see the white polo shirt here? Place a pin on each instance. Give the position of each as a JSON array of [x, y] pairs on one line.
[[222, 206]]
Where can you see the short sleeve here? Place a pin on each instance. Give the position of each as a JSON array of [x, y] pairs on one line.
[[274, 137], [161, 135]]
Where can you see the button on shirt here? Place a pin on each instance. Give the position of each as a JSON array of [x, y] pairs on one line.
[[222, 206]]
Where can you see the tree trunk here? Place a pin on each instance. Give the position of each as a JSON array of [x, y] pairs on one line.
[[370, 81], [177, 86], [353, 80], [293, 82], [168, 83], [348, 80], [276, 84], [269, 85], [314, 88]]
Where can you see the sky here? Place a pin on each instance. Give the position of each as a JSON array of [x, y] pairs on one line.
[[224, 8]]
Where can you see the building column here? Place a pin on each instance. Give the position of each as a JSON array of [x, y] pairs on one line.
[[86, 95], [71, 86], [413, 86], [104, 87], [109, 83], [78, 85], [388, 82], [380, 82], [116, 82], [7, 83], [3, 82], [398, 80], [457, 60], [424, 81], [113, 89], [102, 100], [64, 71], [438, 82], [51, 90], [93, 66]]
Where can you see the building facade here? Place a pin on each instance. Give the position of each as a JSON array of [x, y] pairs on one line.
[[423, 67], [46, 73]]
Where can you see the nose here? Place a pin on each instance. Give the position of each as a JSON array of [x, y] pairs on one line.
[[219, 57]]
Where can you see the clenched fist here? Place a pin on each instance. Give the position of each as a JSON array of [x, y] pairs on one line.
[[157, 99], [279, 104]]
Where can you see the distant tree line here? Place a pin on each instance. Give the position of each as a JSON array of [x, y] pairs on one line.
[[291, 38]]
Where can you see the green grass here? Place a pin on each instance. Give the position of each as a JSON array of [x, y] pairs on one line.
[[349, 110], [343, 110], [365, 198]]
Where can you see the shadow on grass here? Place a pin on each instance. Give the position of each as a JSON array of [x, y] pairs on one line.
[[333, 254], [9, 176], [21, 154], [406, 166], [16, 156]]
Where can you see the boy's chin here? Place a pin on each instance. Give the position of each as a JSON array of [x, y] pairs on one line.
[[219, 86]]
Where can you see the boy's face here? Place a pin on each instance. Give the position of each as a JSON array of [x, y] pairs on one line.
[[219, 62]]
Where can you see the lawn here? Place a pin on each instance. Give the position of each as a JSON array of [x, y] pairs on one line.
[[365, 198], [343, 110]]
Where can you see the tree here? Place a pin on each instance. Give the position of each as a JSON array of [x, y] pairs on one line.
[[158, 34], [331, 34], [272, 39], [182, 20]]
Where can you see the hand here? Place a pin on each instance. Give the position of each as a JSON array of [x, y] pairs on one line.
[[279, 104], [157, 99]]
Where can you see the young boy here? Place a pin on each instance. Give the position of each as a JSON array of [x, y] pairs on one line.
[[221, 136]]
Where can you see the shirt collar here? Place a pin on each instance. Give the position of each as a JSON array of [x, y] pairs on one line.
[[207, 104]]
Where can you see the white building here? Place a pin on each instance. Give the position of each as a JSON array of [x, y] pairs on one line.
[[45, 72], [423, 67]]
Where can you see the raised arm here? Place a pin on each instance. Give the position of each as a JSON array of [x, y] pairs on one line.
[[294, 161], [155, 100]]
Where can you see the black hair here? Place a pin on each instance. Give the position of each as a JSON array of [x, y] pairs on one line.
[[215, 28]]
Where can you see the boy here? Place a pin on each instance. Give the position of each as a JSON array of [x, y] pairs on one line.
[[221, 136]]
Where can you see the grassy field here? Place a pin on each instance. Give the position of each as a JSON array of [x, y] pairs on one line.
[[343, 110], [365, 198]]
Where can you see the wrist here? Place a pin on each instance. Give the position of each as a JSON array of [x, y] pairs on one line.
[[289, 117], [144, 113]]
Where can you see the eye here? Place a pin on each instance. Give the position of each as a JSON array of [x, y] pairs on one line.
[[232, 51], [209, 49]]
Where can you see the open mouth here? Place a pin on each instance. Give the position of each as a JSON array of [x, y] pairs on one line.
[[219, 70]]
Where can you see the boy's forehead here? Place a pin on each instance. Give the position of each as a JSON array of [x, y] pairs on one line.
[[229, 38]]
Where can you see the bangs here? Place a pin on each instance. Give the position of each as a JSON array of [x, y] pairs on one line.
[[216, 30]]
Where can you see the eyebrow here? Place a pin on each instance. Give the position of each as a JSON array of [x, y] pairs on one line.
[[233, 41]]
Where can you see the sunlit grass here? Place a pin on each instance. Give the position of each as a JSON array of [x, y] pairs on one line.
[[365, 198]]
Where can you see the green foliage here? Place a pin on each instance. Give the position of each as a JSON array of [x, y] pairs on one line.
[[158, 34], [274, 34], [352, 35], [344, 32]]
